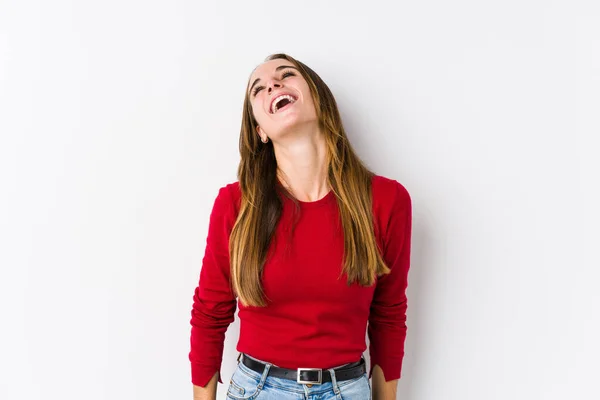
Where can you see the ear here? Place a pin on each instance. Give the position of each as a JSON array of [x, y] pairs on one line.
[[259, 131]]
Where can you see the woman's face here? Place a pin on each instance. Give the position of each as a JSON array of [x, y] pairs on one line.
[[280, 99]]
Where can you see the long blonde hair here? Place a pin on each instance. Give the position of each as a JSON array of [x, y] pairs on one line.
[[261, 206]]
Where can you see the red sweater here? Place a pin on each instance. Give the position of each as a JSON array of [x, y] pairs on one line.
[[312, 319]]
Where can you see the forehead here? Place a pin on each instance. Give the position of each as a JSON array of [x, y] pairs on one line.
[[267, 68]]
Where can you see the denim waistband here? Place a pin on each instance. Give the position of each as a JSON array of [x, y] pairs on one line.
[[286, 385]]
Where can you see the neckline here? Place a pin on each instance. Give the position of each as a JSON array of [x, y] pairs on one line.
[[328, 198]]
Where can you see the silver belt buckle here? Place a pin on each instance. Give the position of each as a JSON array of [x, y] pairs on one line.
[[310, 382]]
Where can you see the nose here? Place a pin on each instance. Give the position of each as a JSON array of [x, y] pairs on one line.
[[272, 85]]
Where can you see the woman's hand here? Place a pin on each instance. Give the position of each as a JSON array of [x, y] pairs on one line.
[[382, 390], [209, 392]]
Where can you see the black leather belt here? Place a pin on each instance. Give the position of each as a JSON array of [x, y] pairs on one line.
[[314, 376]]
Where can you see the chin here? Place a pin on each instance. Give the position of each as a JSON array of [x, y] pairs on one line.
[[291, 124]]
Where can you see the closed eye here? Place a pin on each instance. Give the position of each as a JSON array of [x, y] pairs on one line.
[[283, 76], [256, 90]]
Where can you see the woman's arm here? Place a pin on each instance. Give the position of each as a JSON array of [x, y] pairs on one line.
[[387, 316], [382, 390], [209, 392], [214, 302]]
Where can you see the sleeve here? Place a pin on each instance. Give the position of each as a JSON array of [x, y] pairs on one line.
[[214, 302], [387, 317]]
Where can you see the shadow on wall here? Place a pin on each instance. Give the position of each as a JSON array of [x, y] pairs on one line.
[[414, 373]]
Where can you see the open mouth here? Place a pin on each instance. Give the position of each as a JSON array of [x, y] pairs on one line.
[[282, 102]]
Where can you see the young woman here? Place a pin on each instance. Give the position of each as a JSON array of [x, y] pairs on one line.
[[311, 246]]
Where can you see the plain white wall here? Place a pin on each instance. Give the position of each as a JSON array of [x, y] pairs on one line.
[[119, 121]]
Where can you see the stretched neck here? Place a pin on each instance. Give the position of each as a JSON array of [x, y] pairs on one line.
[[302, 165]]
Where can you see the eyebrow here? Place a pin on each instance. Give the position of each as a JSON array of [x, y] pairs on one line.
[[276, 69]]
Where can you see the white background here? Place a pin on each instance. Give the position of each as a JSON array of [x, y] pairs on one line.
[[119, 122]]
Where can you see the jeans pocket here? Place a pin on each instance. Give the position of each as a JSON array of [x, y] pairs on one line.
[[243, 386]]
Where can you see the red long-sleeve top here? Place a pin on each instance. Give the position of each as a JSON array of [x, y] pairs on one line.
[[313, 320]]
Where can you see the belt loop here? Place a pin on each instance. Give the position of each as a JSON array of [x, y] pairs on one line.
[[336, 389], [238, 358], [264, 375]]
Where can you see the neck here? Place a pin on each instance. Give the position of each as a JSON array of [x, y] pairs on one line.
[[302, 165]]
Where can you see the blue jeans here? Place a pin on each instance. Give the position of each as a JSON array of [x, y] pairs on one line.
[[247, 384]]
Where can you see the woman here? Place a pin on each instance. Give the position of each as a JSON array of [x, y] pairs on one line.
[[311, 246]]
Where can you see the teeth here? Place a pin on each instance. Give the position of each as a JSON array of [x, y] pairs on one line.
[[283, 96]]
